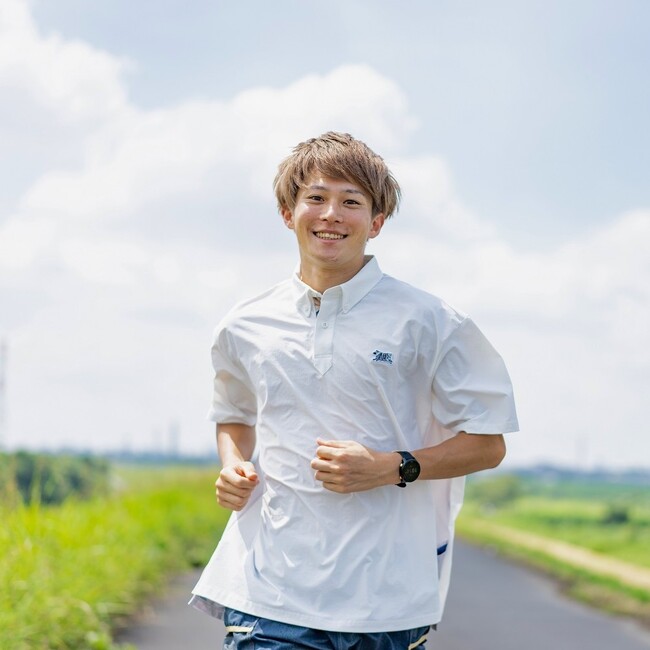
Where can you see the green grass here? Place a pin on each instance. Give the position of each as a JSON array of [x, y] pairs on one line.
[[610, 519], [68, 574]]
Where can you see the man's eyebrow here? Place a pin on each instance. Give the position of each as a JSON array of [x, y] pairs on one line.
[[349, 190]]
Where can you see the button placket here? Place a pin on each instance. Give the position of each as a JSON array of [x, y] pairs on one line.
[[324, 334]]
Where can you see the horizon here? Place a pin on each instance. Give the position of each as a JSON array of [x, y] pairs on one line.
[[211, 455]]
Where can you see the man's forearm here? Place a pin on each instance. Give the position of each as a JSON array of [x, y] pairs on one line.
[[463, 454], [238, 477], [235, 442]]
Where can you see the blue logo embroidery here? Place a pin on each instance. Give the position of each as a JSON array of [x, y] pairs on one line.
[[382, 357]]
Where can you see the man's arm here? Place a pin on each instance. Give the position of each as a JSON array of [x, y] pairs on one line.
[[238, 476], [347, 466]]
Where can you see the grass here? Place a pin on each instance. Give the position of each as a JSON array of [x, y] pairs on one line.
[[612, 521], [70, 573]]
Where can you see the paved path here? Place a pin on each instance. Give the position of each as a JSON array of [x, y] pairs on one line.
[[170, 624], [497, 605], [493, 605]]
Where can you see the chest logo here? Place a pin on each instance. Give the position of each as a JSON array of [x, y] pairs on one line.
[[382, 357]]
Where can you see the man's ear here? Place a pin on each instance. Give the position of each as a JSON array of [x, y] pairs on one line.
[[287, 217], [376, 225]]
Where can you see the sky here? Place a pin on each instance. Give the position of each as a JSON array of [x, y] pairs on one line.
[[139, 141]]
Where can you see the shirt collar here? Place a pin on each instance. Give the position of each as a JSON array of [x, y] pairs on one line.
[[351, 291]]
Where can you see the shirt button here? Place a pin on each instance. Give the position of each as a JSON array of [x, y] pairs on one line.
[[324, 325]]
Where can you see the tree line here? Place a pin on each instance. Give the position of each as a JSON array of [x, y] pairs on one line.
[[50, 479]]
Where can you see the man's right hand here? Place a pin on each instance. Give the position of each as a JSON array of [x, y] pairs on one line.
[[236, 484]]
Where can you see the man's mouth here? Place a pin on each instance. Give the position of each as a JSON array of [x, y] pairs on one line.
[[328, 235]]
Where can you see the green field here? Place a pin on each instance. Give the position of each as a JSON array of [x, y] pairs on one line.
[[70, 573], [611, 519]]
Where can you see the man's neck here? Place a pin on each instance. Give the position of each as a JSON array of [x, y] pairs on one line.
[[321, 279]]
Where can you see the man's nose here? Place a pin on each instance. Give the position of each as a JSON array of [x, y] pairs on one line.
[[331, 212]]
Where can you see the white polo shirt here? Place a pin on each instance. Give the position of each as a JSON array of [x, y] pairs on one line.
[[384, 364]]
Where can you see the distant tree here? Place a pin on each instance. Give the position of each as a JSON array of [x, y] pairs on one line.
[[616, 514], [50, 479]]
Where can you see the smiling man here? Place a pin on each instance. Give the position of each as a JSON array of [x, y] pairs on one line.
[[333, 390]]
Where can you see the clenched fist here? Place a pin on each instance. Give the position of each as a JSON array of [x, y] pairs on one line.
[[236, 484], [347, 466]]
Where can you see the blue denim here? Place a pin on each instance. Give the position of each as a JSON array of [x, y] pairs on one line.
[[247, 632]]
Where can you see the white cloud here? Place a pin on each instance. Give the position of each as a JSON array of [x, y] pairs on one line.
[[68, 77], [136, 156], [21, 242], [431, 205]]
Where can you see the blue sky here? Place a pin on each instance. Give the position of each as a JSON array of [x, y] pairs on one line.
[[139, 142]]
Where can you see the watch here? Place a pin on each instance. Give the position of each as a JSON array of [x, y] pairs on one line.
[[409, 469]]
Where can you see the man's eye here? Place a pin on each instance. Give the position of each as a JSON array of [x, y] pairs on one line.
[[315, 197]]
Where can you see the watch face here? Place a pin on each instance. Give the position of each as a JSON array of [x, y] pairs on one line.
[[410, 470]]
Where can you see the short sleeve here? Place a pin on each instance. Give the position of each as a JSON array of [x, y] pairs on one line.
[[472, 391], [233, 399]]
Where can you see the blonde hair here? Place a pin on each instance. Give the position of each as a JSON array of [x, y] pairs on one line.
[[340, 156]]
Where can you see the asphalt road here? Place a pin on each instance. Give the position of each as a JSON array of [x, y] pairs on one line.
[[493, 605]]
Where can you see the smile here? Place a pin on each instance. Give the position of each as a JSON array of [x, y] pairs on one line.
[[328, 235]]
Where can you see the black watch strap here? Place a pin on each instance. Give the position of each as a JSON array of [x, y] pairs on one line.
[[409, 469]]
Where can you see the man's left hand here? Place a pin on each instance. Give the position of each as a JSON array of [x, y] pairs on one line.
[[346, 466]]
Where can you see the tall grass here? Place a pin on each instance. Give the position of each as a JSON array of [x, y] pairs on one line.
[[68, 573]]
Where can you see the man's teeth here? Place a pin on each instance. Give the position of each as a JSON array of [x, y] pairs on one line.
[[328, 235]]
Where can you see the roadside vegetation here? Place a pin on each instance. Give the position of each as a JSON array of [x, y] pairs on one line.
[[71, 572], [592, 534]]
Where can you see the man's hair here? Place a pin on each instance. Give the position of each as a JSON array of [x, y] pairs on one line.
[[339, 156]]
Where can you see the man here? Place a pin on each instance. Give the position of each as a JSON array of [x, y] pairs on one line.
[[347, 385]]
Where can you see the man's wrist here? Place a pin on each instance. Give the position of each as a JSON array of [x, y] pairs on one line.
[[387, 468], [232, 461]]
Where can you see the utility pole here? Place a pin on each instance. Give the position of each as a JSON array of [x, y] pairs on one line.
[[3, 393]]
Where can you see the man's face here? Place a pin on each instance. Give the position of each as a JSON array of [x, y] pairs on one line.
[[333, 221]]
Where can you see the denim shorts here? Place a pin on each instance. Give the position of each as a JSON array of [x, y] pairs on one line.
[[247, 632]]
